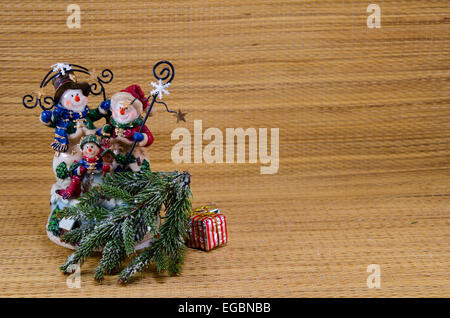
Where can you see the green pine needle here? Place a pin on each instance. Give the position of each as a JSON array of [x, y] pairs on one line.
[[116, 231]]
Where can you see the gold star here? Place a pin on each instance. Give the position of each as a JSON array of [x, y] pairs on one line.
[[72, 77], [39, 92], [93, 75], [180, 116]]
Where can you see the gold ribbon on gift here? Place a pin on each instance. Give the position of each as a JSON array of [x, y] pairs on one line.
[[204, 210]]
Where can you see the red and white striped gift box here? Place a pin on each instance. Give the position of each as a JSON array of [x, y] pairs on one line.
[[207, 229]]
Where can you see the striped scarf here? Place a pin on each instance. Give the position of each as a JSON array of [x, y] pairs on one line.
[[65, 118]]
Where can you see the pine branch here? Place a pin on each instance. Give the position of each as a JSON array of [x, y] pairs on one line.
[[137, 265], [97, 238], [128, 236], [174, 230], [118, 230], [112, 256], [129, 181], [83, 211], [76, 235], [113, 191], [91, 198], [151, 218], [168, 250]]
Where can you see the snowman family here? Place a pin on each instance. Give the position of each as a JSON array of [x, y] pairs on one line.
[[84, 153]]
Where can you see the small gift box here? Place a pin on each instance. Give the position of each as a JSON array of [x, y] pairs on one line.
[[207, 228]]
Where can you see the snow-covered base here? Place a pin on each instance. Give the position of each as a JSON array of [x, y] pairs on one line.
[[57, 202]]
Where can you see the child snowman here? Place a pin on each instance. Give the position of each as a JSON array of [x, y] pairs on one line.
[[126, 123], [90, 164]]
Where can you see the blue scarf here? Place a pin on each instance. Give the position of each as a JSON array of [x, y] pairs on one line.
[[64, 118]]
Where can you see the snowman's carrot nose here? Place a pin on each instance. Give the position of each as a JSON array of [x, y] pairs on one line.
[[77, 98], [122, 111]]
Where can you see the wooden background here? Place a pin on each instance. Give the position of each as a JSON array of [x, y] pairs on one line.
[[364, 140]]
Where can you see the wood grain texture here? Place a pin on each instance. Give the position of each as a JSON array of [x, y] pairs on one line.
[[364, 141]]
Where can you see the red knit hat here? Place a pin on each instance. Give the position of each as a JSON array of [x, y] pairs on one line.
[[136, 92]]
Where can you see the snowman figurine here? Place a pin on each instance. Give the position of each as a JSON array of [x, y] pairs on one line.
[[91, 165], [126, 124], [71, 118]]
